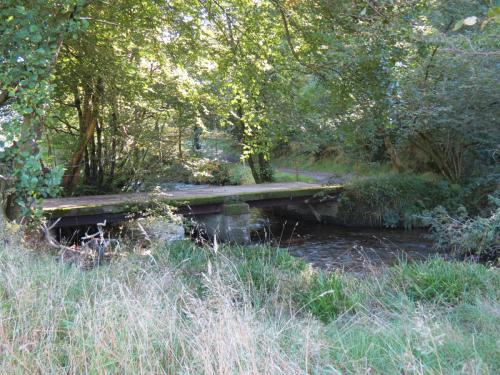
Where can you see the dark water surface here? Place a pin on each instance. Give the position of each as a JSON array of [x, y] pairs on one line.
[[352, 249]]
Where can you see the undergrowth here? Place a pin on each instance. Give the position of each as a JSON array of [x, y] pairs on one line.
[[395, 200]]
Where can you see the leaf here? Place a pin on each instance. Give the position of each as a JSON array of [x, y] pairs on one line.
[[458, 25], [37, 38]]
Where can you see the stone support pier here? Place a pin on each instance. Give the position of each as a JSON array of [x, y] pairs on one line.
[[231, 225]]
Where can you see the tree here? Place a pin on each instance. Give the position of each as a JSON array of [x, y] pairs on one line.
[[32, 35]]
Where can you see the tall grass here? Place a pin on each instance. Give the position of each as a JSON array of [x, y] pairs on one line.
[[193, 310]]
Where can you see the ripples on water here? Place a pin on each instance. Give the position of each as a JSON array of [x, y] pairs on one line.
[[352, 249]]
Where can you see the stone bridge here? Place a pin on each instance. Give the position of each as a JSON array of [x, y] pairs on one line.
[[221, 209]]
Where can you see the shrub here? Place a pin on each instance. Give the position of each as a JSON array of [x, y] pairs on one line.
[[442, 281], [464, 235], [206, 171], [240, 174], [394, 200]]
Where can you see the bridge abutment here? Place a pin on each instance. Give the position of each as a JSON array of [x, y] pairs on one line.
[[231, 225]]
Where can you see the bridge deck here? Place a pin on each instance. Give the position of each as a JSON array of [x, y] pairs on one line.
[[203, 196]]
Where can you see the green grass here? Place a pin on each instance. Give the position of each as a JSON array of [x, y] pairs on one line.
[[446, 282], [337, 165], [186, 309], [292, 177], [240, 174]]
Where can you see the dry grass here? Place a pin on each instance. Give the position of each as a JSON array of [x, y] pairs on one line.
[[139, 316]]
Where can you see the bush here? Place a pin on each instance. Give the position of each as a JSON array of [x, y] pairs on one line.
[[240, 174], [464, 235], [394, 200], [442, 281]]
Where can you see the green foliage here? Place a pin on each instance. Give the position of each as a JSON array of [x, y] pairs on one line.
[[463, 235], [205, 171], [443, 281], [395, 200], [32, 36], [326, 296], [133, 99], [447, 116], [240, 174], [292, 177]]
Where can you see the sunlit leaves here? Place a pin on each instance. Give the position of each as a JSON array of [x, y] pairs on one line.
[[31, 36]]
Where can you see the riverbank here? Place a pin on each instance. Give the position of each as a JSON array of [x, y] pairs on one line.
[[227, 310]]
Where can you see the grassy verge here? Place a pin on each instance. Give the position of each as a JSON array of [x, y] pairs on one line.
[[240, 174], [338, 165], [292, 177], [195, 310]]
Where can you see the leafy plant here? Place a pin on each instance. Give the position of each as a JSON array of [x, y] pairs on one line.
[[31, 41], [395, 200], [464, 235]]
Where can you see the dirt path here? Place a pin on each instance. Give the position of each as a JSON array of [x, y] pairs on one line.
[[320, 177]]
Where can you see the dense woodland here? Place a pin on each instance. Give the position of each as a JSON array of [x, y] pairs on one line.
[[397, 99], [107, 96]]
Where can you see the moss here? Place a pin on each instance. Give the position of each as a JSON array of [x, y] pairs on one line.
[[236, 208], [134, 205]]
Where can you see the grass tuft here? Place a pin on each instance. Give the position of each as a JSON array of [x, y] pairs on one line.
[[443, 281]]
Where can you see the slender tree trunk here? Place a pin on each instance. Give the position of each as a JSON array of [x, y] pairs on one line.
[[100, 163], [393, 154], [91, 180], [179, 143], [196, 138], [113, 123], [90, 115], [86, 166]]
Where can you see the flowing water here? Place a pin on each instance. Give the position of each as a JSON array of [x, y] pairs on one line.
[[331, 247], [353, 249]]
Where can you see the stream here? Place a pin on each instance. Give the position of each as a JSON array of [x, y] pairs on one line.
[[356, 250], [330, 247]]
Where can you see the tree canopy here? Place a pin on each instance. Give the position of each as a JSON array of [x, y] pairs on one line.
[[96, 96]]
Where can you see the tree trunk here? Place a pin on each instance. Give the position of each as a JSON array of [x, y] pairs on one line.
[[262, 171], [254, 169], [91, 178], [393, 154], [113, 124], [179, 143], [90, 115], [100, 163], [266, 170]]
